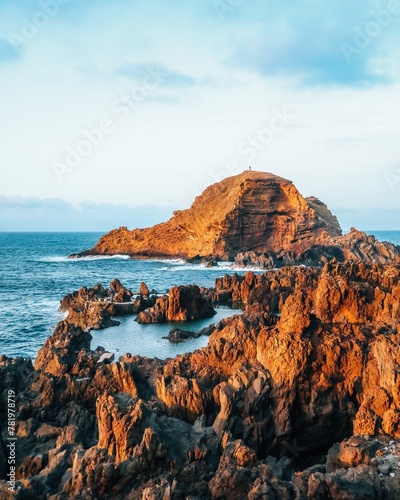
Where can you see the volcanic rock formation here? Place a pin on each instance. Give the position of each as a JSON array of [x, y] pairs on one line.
[[253, 211], [298, 397], [94, 308], [183, 303], [256, 218]]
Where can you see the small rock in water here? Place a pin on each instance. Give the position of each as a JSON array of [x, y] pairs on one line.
[[176, 335]]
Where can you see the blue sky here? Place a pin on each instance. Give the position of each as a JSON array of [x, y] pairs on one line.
[[135, 107]]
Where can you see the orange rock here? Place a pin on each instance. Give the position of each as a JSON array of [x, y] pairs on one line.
[[253, 211], [183, 303], [256, 218], [312, 360]]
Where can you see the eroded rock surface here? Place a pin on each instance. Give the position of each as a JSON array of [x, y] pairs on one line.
[[298, 397], [183, 303], [253, 211], [94, 308]]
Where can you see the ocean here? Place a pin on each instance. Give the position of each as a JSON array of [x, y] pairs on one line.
[[36, 274]]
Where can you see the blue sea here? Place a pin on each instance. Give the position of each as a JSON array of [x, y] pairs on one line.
[[36, 274]]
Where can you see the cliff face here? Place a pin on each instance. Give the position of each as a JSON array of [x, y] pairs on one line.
[[253, 211]]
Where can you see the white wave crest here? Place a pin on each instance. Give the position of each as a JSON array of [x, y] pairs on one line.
[[62, 258]]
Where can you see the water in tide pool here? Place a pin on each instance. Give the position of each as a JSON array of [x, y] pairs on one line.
[[35, 275]]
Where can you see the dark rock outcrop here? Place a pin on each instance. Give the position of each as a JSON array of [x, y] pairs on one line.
[[176, 335], [355, 246], [89, 308]]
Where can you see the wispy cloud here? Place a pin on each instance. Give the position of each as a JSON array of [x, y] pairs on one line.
[[319, 44], [171, 77], [55, 214], [18, 202], [310, 63]]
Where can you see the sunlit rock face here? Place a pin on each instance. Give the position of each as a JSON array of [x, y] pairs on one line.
[[309, 370], [255, 218], [253, 211]]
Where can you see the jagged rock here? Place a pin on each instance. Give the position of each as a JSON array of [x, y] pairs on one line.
[[351, 453], [93, 474], [119, 293], [391, 422], [144, 290], [119, 419], [183, 396], [241, 475], [183, 303], [356, 246], [87, 308], [60, 353], [176, 335], [208, 261], [93, 308], [246, 393], [312, 360], [254, 259], [207, 330], [141, 303]]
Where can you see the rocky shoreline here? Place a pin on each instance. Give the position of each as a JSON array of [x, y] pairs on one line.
[[298, 397]]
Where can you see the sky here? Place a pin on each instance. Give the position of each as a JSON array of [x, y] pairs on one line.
[[117, 113]]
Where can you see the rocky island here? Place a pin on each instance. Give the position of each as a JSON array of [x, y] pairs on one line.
[[254, 218], [297, 398]]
